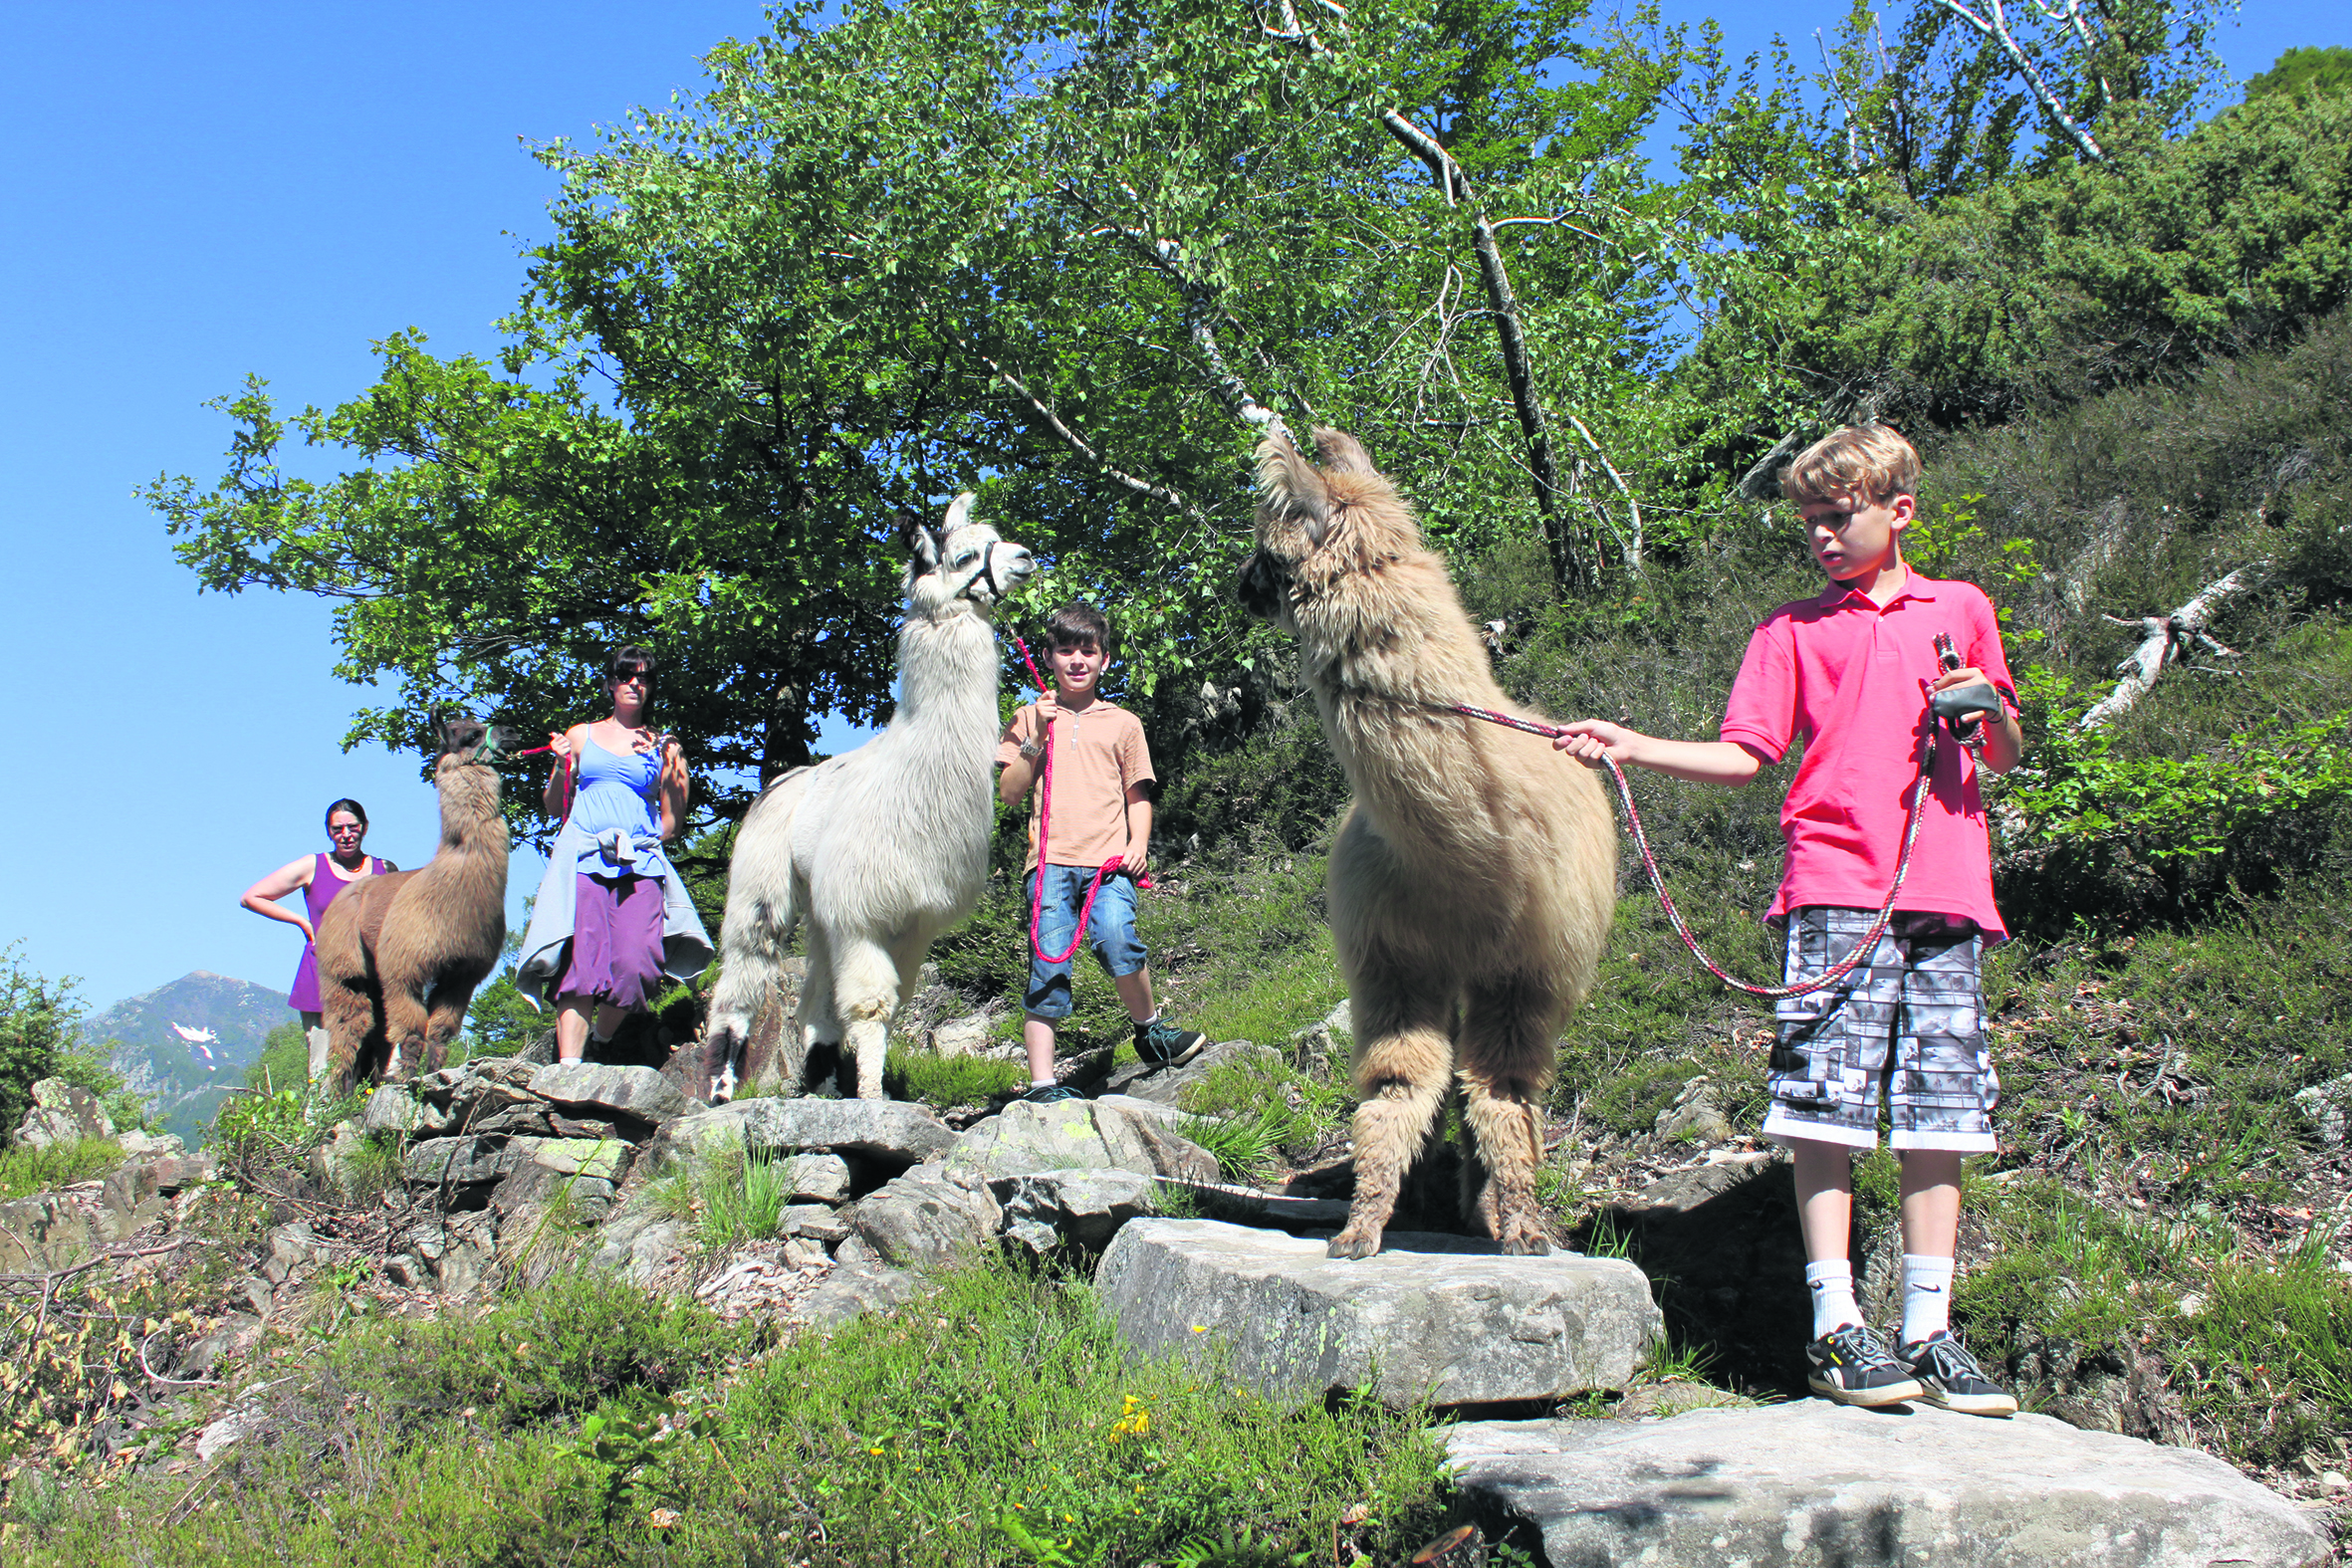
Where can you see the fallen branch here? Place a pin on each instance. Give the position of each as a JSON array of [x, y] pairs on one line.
[[2171, 639]]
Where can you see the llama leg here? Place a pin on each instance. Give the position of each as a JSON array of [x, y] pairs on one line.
[[1506, 1051], [751, 947], [1403, 1061], [444, 1017], [865, 993], [818, 1024]]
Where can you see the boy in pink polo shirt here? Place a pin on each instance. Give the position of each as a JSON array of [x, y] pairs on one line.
[[1848, 673]]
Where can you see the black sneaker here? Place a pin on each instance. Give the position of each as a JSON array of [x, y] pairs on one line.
[[1951, 1378], [1851, 1366], [1163, 1044], [1050, 1094]]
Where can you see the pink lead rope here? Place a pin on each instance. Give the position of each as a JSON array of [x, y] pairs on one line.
[[1037, 898], [1822, 982]]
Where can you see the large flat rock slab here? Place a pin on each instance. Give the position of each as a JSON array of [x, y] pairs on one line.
[[1092, 1134], [1438, 1317], [890, 1131], [1812, 1484]]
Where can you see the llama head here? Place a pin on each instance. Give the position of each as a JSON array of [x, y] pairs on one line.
[[460, 742], [1317, 526], [960, 564]]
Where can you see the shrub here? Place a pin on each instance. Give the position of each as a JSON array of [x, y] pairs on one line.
[[29, 1169], [37, 1020]]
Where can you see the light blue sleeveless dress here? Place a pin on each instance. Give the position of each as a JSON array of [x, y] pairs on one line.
[[612, 920]]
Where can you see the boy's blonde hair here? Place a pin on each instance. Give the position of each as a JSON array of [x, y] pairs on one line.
[[1864, 460]]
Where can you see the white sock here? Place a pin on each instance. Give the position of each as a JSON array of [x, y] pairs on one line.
[[1043, 1083], [1832, 1285], [1927, 1297]]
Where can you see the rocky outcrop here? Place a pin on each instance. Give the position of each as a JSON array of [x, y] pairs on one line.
[[1442, 1318], [61, 1112], [1813, 1482], [888, 1132], [1168, 1085]]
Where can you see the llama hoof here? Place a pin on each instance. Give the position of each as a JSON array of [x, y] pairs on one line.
[[1355, 1243], [1526, 1244]]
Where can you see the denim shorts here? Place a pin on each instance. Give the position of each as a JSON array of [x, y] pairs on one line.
[[1111, 928], [1906, 1023]]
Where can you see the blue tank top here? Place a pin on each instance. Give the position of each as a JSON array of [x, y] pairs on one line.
[[616, 791]]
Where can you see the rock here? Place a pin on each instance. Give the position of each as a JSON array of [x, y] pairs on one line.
[[964, 1036], [924, 1219], [817, 1177], [854, 1290], [1167, 1085], [637, 1092], [332, 1163], [44, 1232], [236, 1334], [2326, 1109], [2110, 1389], [888, 1131], [1694, 1117], [392, 1109], [1727, 1234], [1438, 1317], [817, 1222], [1811, 1483], [461, 1162], [1075, 1135], [138, 1145], [467, 1254], [1331, 1040], [63, 1112], [639, 1238], [291, 1247], [608, 1159], [1048, 1208], [407, 1270]]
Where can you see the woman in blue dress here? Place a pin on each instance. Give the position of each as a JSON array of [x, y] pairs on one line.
[[613, 926]]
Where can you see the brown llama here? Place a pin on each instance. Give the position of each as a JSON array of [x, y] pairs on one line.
[[1470, 887], [399, 954]]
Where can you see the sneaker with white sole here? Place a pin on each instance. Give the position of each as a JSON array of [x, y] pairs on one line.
[[1953, 1379], [1166, 1045], [1851, 1366], [1049, 1094]]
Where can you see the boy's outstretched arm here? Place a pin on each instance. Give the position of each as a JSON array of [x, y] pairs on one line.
[[1701, 761]]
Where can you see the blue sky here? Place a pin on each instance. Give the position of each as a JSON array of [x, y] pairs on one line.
[[200, 191]]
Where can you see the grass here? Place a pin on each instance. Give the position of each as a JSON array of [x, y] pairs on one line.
[[998, 1422], [25, 1170], [943, 1082], [743, 1197]]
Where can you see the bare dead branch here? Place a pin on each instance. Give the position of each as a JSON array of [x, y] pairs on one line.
[[2168, 640], [1632, 547], [1045, 416], [1994, 23]]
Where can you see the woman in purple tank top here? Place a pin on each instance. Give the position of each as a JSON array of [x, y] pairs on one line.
[[322, 879]]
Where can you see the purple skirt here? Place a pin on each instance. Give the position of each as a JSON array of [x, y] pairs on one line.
[[617, 932]]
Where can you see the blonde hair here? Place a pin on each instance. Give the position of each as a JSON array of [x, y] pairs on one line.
[[1867, 460]]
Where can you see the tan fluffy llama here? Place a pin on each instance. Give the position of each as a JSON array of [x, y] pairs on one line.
[[1472, 883], [399, 954]]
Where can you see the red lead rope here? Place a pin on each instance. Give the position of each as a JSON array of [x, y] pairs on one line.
[[1822, 982], [1036, 897]]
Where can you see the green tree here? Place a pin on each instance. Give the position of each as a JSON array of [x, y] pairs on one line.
[[1074, 256], [38, 1018], [2303, 71]]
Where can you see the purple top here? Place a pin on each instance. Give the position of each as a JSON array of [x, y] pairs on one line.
[[326, 887]]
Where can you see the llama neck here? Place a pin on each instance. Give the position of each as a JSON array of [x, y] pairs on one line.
[[1383, 681], [471, 863], [947, 669]]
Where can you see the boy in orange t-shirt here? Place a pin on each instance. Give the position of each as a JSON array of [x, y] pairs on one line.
[[1102, 786]]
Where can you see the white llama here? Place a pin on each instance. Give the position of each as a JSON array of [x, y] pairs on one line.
[[883, 847]]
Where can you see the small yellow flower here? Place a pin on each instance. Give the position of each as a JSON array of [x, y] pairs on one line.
[[874, 1450]]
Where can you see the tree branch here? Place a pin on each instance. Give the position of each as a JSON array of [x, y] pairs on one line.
[[1509, 336], [2168, 640], [1995, 24], [1070, 438]]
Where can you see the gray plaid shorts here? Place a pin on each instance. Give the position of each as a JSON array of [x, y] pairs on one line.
[[1908, 1017]]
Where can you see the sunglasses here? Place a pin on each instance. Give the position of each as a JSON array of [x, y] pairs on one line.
[[342, 828], [637, 677]]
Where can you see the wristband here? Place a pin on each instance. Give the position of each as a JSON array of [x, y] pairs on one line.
[[1030, 751]]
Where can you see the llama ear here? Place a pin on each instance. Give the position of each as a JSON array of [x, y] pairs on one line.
[[1341, 453], [959, 511], [1292, 486], [918, 541]]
